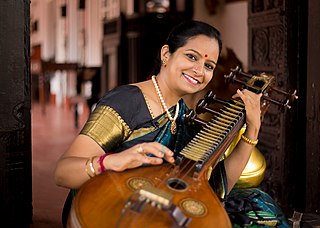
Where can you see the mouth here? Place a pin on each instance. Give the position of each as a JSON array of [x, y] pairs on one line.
[[191, 79]]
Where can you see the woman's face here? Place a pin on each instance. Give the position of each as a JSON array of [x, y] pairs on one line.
[[190, 68]]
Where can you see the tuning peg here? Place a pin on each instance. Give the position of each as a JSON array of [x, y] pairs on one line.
[[293, 96], [202, 107], [191, 117]]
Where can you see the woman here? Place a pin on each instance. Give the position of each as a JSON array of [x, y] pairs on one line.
[[146, 118]]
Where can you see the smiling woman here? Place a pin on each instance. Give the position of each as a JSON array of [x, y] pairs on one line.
[[141, 127], [190, 71]]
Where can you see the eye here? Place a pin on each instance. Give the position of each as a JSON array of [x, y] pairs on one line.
[[209, 66], [192, 57]]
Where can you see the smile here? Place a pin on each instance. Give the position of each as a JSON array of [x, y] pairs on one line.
[[190, 79]]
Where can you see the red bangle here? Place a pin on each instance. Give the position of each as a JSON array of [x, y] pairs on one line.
[[100, 161]]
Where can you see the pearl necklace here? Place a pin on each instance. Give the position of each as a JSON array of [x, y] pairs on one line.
[[173, 127]]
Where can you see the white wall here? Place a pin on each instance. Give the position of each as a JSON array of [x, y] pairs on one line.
[[231, 20], [76, 38], [59, 35], [43, 12], [93, 35]]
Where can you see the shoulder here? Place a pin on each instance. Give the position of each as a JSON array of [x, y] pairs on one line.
[[120, 94], [126, 100]]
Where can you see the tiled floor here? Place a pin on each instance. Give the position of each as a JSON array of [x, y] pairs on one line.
[[52, 133]]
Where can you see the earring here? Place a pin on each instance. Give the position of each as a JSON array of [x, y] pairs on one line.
[[163, 63]]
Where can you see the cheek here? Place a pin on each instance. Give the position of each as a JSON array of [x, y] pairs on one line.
[[176, 65], [208, 77]]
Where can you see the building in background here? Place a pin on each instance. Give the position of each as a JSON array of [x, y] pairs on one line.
[[71, 39]]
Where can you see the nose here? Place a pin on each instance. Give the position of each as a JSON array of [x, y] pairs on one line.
[[198, 69]]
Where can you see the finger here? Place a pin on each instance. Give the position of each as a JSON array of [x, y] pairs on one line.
[[167, 153], [152, 160], [148, 148], [239, 94], [158, 150], [154, 148], [234, 96], [140, 149], [251, 94], [249, 98]]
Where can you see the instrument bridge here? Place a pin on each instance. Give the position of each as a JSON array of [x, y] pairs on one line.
[[155, 196], [159, 200]]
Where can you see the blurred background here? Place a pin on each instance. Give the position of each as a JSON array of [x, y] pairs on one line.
[[60, 56]]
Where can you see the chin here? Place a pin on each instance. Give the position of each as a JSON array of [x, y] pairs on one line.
[[194, 90]]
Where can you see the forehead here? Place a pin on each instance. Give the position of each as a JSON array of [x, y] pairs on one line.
[[203, 44]]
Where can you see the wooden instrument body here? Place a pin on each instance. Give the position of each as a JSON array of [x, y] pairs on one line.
[[100, 201]]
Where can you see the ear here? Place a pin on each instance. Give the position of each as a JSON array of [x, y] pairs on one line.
[[165, 53]]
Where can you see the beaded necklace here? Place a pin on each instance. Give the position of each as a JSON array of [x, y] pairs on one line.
[[173, 127]]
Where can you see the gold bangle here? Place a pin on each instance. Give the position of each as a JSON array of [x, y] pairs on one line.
[[249, 141], [91, 166], [87, 171]]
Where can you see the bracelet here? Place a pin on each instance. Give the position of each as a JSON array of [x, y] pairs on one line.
[[87, 171], [100, 161], [249, 141], [91, 166]]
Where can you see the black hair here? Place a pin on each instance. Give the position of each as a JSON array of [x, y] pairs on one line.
[[181, 33]]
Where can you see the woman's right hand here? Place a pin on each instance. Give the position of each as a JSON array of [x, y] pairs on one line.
[[137, 156]]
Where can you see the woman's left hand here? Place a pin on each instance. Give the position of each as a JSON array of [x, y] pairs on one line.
[[252, 105]]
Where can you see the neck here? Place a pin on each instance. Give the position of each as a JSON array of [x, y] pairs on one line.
[[168, 93]]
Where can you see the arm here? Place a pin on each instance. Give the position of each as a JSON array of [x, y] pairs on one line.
[[71, 168], [104, 130], [238, 159]]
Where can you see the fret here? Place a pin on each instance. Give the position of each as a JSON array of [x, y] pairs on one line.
[[231, 110], [210, 137], [224, 120], [207, 136], [240, 103], [217, 126], [235, 106], [221, 123], [200, 146], [226, 116], [213, 131]]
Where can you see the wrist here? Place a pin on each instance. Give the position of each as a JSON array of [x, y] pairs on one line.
[[89, 167], [101, 162], [250, 141], [251, 132]]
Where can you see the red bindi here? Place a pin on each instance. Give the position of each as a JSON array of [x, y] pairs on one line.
[[206, 55]]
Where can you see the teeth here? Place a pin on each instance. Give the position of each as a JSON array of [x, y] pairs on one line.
[[191, 79]]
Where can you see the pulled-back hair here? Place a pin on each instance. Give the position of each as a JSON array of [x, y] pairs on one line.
[[181, 33]]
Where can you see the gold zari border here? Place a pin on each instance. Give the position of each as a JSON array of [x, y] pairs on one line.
[[106, 127], [143, 131]]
